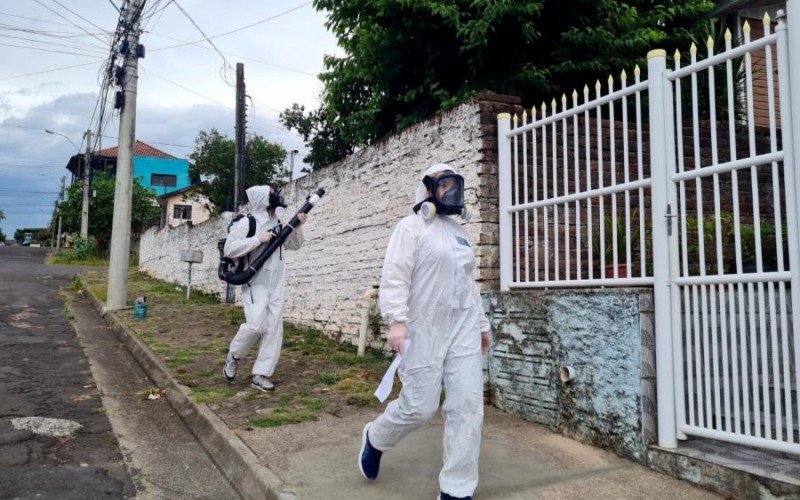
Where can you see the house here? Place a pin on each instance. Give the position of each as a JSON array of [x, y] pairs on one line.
[[184, 205], [154, 168], [734, 14]]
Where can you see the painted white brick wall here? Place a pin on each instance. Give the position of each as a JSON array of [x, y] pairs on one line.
[[347, 233]]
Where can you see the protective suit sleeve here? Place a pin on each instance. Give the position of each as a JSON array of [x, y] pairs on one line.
[[397, 269], [295, 239], [238, 244], [485, 327]]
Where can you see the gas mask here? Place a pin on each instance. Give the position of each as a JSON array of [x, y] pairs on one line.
[[447, 197], [277, 203]]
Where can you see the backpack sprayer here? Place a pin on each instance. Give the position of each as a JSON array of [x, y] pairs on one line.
[[234, 274]]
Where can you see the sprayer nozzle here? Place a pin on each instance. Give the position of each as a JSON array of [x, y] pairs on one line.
[[320, 191]]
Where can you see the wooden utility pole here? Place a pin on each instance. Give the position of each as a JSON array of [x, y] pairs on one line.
[[121, 224], [238, 194], [87, 180]]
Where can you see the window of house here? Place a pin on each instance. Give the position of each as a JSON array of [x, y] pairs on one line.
[[183, 212], [165, 180]]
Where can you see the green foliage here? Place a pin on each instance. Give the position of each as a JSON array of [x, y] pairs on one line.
[[2, 234], [404, 60], [85, 248], [318, 128], [101, 209], [214, 160]]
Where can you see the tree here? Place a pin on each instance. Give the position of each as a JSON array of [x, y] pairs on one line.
[[404, 60], [214, 161], [144, 208], [2, 234], [326, 145]]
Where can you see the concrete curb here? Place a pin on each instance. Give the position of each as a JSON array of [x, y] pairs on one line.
[[230, 453]]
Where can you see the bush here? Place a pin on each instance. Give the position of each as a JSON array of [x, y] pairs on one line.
[[85, 248]]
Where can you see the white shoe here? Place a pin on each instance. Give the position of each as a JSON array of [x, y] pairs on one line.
[[262, 383], [231, 365]]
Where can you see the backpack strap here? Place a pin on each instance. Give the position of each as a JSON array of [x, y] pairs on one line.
[[252, 229]]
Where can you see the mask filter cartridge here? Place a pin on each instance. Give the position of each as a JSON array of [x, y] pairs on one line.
[[280, 212], [427, 210]]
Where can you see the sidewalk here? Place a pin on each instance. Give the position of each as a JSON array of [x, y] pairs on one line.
[[307, 433]]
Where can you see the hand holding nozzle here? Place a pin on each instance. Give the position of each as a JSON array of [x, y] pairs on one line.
[[266, 236]]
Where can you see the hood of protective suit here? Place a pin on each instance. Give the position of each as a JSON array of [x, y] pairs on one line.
[[422, 192], [258, 196]]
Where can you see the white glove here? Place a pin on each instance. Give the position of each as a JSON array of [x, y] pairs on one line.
[[396, 336]]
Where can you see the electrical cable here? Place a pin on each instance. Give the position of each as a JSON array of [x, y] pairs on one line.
[[238, 29], [225, 63], [68, 20], [47, 71]]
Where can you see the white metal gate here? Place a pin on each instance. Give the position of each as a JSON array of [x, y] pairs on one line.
[[710, 221], [733, 273]]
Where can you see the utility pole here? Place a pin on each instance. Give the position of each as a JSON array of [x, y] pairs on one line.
[[292, 153], [238, 194], [123, 191], [87, 179], [239, 169], [60, 199]]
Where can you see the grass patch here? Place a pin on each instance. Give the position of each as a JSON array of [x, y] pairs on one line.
[[179, 361], [314, 404], [67, 258], [328, 378], [283, 416], [211, 394]]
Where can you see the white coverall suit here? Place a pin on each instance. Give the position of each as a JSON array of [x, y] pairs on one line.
[[263, 296], [427, 283]]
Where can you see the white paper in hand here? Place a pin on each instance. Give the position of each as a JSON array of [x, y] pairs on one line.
[[387, 382]]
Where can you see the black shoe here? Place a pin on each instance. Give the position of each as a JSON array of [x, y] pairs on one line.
[[445, 496], [369, 458]]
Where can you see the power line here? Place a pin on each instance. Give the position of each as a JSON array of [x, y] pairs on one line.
[[52, 51], [88, 48], [47, 71], [78, 15], [34, 19], [198, 45], [68, 20], [237, 29], [226, 64]]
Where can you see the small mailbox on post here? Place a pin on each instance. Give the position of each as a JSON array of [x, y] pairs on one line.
[[191, 256]]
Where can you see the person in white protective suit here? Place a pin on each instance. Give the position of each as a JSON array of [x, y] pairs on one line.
[[432, 305], [263, 296]]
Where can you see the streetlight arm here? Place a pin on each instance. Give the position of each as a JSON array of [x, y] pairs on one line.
[[65, 137]]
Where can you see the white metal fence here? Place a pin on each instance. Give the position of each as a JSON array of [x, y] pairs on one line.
[[685, 194]]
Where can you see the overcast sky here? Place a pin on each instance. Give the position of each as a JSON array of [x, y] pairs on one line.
[[181, 89]]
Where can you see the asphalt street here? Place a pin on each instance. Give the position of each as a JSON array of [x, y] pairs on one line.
[[59, 360], [44, 373]]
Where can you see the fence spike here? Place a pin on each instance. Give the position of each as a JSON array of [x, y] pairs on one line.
[[693, 49], [610, 81], [533, 112], [728, 35], [597, 85], [677, 55], [586, 90], [544, 108], [767, 19], [553, 105], [575, 94], [710, 42], [564, 99], [623, 76], [524, 116], [637, 71], [514, 119], [746, 27]]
